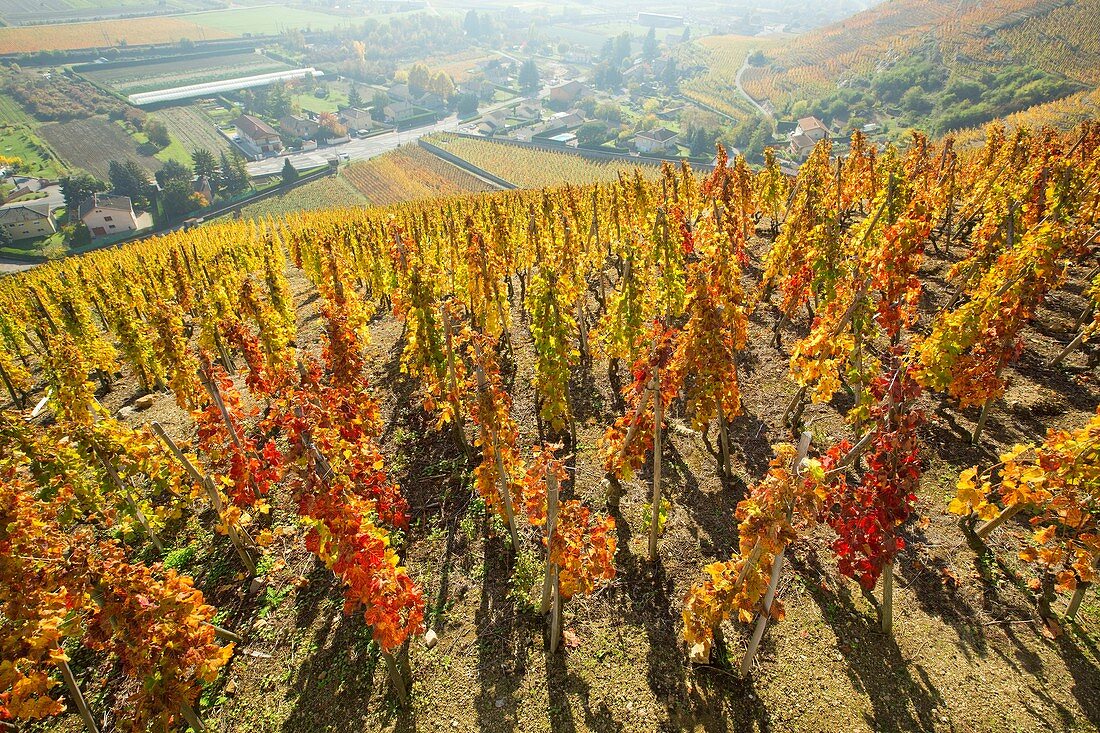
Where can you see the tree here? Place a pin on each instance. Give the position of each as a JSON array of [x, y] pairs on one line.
[[5, 238], [649, 45], [173, 170], [378, 103], [686, 36], [79, 187], [233, 174], [129, 179], [178, 198], [472, 24], [757, 58], [204, 164], [354, 99], [466, 104], [443, 85], [529, 76], [592, 133], [290, 173], [157, 133], [623, 48], [419, 79]]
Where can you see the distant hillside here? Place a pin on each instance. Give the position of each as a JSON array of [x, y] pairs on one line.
[[939, 65]]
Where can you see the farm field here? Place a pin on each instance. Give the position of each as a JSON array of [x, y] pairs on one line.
[[414, 407], [16, 12], [103, 34], [190, 126], [269, 20], [407, 174], [531, 168], [92, 143], [154, 76]]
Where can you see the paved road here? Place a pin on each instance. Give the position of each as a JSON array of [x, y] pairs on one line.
[[746, 95], [366, 148], [53, 198]]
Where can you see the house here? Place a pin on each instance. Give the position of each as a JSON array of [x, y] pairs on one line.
[[298, 126], [398, 112], [812, 128], [527, 112], [432, 101], [493, 123], [354, 118], [637, 73], [801, 145], [400, 93], [106, 214], [201, 186], [257, 137], [655, 141], [27, 221], [568, 92]]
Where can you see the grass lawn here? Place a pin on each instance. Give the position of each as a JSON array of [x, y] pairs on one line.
[[18, 138], [336, 98], [21, 142], [270, 20], [175, 151]]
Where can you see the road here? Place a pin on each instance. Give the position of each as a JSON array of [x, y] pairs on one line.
[[746, 95], [53, 197], [370, 147]]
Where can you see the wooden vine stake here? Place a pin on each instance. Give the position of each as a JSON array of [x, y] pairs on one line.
[[192, 718], [456, 422], [235, 537], [655, 509], [1075, 601], [773, 584], [1006, 514], [551, 597], [395, 676], [723, 435], [886, 612], [76, 694]]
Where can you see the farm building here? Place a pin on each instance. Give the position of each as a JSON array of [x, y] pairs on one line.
[[27, 221], [106, 214], [258, 138], [660, 20], [654, 141]]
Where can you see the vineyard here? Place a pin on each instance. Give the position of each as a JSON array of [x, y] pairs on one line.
[[326, 193], [532, 168], [731, 451], [723, 57], [410, 173], [974, 37]]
